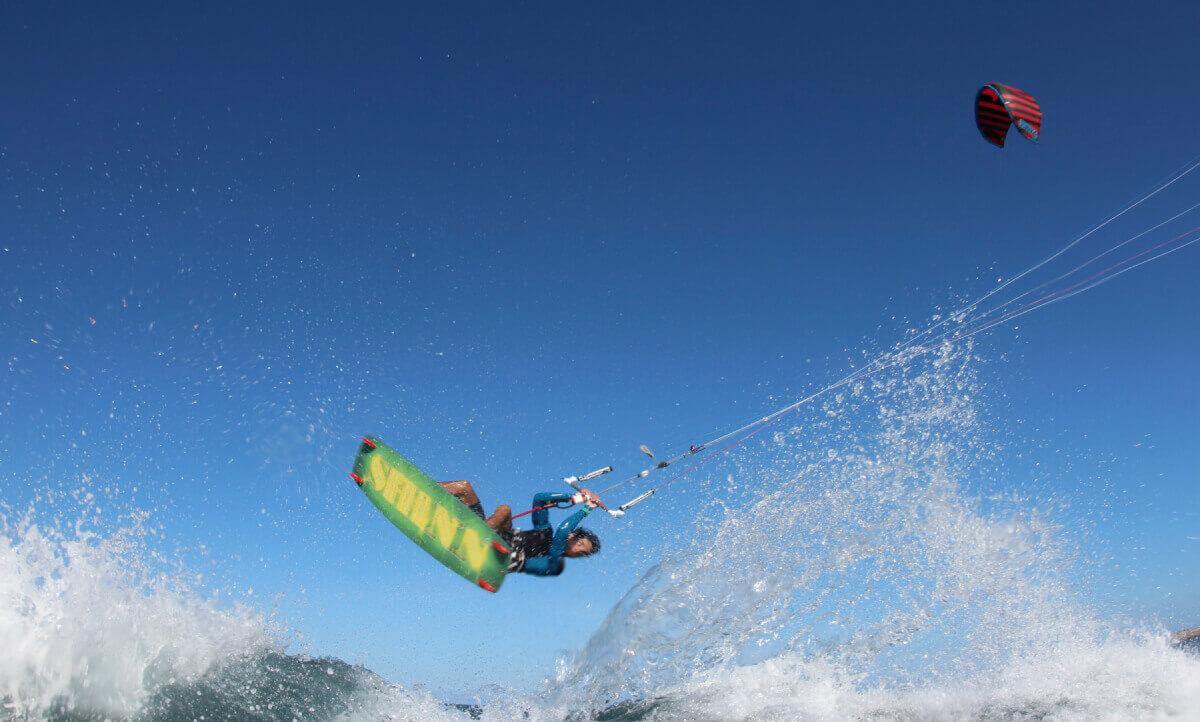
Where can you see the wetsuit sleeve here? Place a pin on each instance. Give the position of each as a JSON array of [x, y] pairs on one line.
[[541, 517], [551, 565]]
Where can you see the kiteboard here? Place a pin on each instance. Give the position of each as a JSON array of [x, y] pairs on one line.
[[439, 523]]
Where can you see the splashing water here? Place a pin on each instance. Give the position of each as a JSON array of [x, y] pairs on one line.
[[85, 623], [850, 573], [860, 580], [92, 632]]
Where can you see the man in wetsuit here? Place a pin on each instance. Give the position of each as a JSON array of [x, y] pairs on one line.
[[539, 551]]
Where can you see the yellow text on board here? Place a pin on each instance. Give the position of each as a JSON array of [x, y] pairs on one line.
[[432, 519]]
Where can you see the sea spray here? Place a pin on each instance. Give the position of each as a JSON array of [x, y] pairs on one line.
[[866, 563], [89, 622], [861, 579], [97, 625]]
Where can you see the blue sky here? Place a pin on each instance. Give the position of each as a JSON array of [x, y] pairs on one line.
[[517, 241]]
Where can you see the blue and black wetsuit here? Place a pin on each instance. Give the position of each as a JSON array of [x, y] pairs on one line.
[[540, 550]]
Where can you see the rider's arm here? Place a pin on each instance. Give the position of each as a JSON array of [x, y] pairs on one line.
[[551, 565], [541, 517]]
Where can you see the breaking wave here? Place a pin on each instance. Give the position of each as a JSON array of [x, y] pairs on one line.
[[87, 623], [861, 578], [865, 564]]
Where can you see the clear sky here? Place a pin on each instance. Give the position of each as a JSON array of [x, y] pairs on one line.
[[517, 240]]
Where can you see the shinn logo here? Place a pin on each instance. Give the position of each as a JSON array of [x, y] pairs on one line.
[[432, 520]]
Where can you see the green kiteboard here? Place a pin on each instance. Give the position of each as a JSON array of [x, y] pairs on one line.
[[432, 517]]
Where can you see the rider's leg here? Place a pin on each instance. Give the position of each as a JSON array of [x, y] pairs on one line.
[[465, 493], [501, 519]]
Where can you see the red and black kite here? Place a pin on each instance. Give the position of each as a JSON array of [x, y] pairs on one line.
[[999, 106]]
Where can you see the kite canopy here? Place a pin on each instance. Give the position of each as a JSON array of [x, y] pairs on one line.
[[999, 106]]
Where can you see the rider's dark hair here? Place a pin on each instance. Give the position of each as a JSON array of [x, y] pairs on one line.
[[588, 534]]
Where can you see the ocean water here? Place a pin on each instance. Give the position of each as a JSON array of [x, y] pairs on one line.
[[858, 562]]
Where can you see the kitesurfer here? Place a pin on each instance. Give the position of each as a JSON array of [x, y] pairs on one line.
[[540, 550]]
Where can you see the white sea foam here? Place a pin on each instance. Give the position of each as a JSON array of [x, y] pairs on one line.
[[850, 575], [86, 623], [860, 580], [1119, 679]]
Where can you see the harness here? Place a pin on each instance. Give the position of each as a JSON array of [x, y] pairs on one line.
[[526, 544]]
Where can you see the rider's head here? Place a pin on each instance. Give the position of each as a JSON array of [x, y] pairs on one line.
[[582, 543]]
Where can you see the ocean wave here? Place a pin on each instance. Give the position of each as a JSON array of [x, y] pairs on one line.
[[842, 571], [88, 621], [861, 580]]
